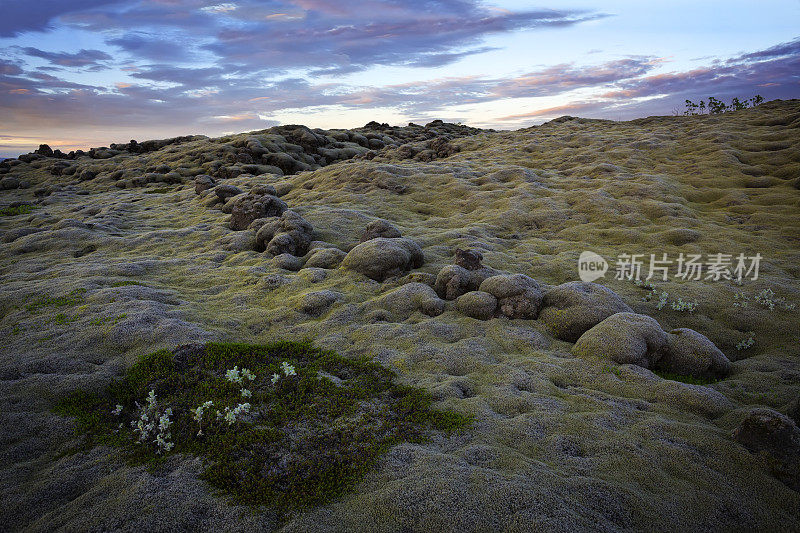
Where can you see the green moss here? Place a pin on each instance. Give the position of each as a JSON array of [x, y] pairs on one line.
[[307, 439], [159, 190], [126, 283], [73, 298], [18, 210], [685, 379]]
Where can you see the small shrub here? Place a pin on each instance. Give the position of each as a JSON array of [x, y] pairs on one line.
[[748, 342], [716, 106]]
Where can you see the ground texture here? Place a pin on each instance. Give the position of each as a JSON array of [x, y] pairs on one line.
[[116, 253]]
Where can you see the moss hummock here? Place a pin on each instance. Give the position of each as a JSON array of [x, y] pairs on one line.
[[306, 438]]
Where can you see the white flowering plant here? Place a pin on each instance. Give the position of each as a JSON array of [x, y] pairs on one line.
[[230, 405]]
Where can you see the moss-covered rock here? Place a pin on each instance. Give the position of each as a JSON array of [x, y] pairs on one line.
[[411, 297], [477, 304], [776, 438], [380, 228], [518, 295], [381, 258], [692, 353], [249, 207], [325, 258], [572, 308], [625, 338]]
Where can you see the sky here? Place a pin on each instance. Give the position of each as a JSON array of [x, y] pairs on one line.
[[82, 73]]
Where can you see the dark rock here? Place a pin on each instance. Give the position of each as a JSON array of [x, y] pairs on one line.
[[518, 296], [202, 183], [250, 207], [775, 437], [290, 234], [469, 259]]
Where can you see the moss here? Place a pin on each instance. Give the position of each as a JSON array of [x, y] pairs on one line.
[[125, 283], [73, 298], [685, 379], [159, 190], [307, 439], [17, 210]]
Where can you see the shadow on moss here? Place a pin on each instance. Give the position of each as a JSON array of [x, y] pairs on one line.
[[692, 380], [308, 437]]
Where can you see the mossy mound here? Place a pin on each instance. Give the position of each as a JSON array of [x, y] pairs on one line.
[[309, 434]]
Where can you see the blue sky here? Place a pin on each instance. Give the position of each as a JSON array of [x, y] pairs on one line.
[[86, 73]]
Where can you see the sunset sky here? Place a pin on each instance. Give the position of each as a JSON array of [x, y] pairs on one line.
[[80, 73]]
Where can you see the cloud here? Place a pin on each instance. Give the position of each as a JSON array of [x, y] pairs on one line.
[[7, 68], [210, 66], [82, 58], [151, 46], [20, 16], [551, 111], [773, 72], [332, 35]]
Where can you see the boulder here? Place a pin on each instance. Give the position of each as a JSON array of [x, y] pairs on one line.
[[469, 259], [252, 206], [518, 295], [14, 234], [225, 191], [453, 281], [9, 183], [381, 258], [625, 338], [288, 234], [412, 297], [692, 354], [325, 258], [287, 262], [264, 189], [477, 304], [316, 303], [776, 437], [87, 174], [202, 183], [380, 228], [572, 308]]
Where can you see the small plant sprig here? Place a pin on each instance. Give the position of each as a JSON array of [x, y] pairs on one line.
[[748, 342], [680, 305], [229, 415], [153, 425], [767, 299], [197, 414], [741, 299], [663, 298], [288, 370]]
